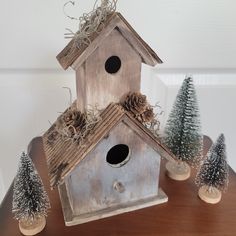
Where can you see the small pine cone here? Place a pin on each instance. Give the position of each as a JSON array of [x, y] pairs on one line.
[[147, 116], [80, 121], [135, 103]]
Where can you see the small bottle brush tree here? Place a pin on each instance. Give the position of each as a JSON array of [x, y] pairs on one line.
[[182, 132], [30, 200], [213, 175]]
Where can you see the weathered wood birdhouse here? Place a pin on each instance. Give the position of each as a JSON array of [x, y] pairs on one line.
[[114, 166]]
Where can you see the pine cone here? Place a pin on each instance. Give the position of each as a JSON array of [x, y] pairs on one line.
[[147, 116], [135, 103], [74, 120]]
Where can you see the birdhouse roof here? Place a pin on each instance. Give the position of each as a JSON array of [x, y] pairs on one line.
[[74, 56], [62, 157]]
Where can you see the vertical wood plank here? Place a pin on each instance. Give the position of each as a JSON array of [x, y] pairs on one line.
[[81, 87], [96, 86]]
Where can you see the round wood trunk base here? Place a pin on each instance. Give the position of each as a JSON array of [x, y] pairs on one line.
[[211, 196], [178, 171], [27, 228]]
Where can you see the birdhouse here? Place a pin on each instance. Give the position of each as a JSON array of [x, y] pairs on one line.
[[113, 168]]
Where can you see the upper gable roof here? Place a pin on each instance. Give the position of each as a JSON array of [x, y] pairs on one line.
[[62, 157], [73, 56]]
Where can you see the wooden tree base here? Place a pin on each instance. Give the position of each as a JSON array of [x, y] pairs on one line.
[[178, 171], [32, 228], [212, 196]]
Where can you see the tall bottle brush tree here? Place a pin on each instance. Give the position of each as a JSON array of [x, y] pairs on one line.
[[214, 172], [182, 133], [30, 200]]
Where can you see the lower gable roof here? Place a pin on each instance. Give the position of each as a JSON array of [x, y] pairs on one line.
[[63, 156]]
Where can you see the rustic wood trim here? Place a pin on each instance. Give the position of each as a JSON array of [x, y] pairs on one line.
[[149, 57], [71, 220], [153, 141], [66, 206], [75, 57]]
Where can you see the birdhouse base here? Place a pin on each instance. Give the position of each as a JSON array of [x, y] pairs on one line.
[[209, 195], [71, 219], [178, 171], [32, 228]]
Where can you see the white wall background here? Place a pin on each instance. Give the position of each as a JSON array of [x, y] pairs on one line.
[[191, 36]]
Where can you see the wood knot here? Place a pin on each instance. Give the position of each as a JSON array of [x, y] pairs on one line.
[[119, 187]]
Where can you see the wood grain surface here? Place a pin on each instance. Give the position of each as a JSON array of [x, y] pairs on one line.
[[75, 57], [184, 214]]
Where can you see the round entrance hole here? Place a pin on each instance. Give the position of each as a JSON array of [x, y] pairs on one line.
[[113, 65], [118, 155]]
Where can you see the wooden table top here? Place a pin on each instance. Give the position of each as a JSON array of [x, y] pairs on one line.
[[183, 215]]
